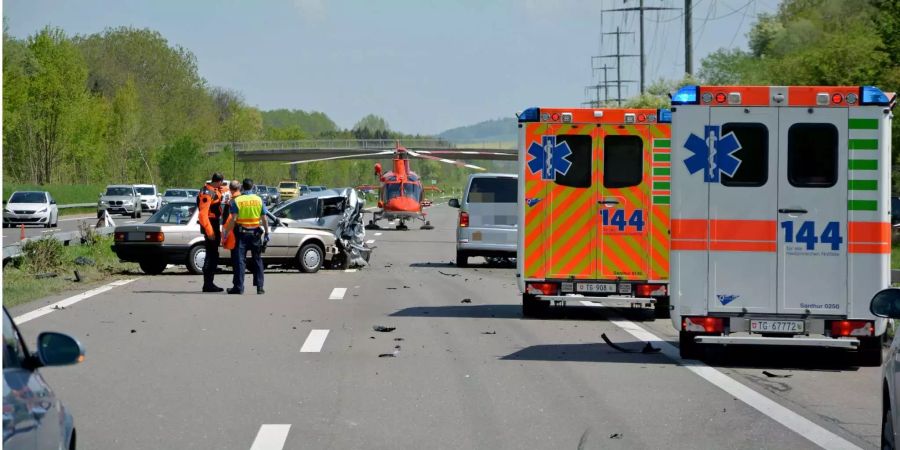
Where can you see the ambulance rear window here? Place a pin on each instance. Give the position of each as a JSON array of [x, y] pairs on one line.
[[623, 161], [579, 173], [812, 155], [754, 154]]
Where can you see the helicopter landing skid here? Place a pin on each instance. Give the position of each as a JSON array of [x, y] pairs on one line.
[[372, 225]]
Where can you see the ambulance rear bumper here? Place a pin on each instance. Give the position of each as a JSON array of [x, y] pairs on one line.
[[612, 301], [850, 344]]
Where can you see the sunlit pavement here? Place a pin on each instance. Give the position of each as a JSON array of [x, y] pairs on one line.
[[302, 367]]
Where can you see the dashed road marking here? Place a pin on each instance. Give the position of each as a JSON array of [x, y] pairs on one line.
[[349, 270], [271, 437], [370, 241], [314, 341], [377, 234], [337, 294], [43, 311], [790, 419]]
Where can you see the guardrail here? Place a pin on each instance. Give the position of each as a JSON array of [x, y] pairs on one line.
[[66, 237], [353, 144], [77, 205]]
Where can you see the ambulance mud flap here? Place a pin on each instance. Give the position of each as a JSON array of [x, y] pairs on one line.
[[849, 344]]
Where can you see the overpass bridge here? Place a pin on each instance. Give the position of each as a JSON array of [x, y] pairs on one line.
[[309, 149]]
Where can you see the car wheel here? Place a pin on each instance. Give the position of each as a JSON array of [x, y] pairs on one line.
[[48, 224], [462, 259], [532, 307], [196, 258], [887, 427], [153, 267], [687, 347], [310, 258]]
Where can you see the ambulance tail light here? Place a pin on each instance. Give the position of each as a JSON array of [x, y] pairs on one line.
[[871, 95], [841, 328], [664, 115], [650, 290], [542, 288], [703, 324], [686, 96], [530, 115], [463, 219]]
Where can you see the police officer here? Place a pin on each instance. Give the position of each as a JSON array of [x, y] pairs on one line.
[[209, 204], [248, 222]]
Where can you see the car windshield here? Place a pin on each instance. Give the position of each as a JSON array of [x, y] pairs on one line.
[[119, 191], [28, 197], [174, 214], [288, 185], [493, 190], [146, 191], [272, 190], [176, 193], [193, 192]]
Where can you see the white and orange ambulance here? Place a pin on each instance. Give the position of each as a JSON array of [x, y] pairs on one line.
[[780, 216], [593, 207]]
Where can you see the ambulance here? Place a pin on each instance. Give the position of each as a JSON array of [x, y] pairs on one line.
[[593, 208], [781, 220]]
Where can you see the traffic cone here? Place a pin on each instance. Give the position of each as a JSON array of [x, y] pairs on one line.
[[22, 234]]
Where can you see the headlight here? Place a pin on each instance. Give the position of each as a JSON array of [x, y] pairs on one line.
[[43, 210], [103, 202], [127, 202]]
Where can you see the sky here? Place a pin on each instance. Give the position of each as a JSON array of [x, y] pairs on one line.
[[423, 65]]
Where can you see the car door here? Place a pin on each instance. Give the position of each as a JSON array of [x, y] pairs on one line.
[[19, 425]]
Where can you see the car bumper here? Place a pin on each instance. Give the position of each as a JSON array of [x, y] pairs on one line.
[[151, 252], [118, 209], [26, 218], [487, 241], [612, 301]]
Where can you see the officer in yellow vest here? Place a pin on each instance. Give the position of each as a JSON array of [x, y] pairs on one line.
[[248, 221]]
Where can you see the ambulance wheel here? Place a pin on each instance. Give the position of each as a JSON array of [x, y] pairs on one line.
[[687, 347], [532, 307], [196, 258], [869, 353], [462, 259]]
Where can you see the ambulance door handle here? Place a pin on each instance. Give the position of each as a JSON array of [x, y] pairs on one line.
[[608, 202], [793, 211]]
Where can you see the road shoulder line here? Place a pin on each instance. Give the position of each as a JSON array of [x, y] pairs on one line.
[[271, 437], [44, 310]]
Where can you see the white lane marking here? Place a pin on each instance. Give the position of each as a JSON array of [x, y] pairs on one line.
[[314, 341], [370, 241], [43, 311], [793, 421], [131, 221], [377, 234], [337, 294], [349, 270], [271, 437]]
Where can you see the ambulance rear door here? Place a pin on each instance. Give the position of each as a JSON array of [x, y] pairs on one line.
[[742, 174], [812, 210]]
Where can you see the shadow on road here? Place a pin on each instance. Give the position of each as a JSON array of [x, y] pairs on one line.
[[589, 352], [477, 311], [783, 358], [433, 264], [192, 291]]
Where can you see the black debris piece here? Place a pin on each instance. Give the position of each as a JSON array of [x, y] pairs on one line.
[[647, 348], [134, 331], [488, 332], [383, 329], [306, 320], [392, 288], [397, 347], [448, 274], [58, 307], [371, 337], [387, 355], [775, 375], [466, 300], [294, 328], [405, 287], [84, 261], [615, 436], [45, 275], [78, 277], [398, 339]]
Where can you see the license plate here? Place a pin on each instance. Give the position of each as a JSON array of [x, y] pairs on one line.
[[625, 288], [137, 236], [776, 326], [606, 288]]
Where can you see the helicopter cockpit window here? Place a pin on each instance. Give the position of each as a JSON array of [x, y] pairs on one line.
[[391, 191], [412, 190]]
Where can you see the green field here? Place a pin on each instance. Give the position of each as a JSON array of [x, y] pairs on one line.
[[63, 194]]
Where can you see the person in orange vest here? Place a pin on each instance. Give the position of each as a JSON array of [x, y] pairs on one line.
[[209, 204], [248, 222]]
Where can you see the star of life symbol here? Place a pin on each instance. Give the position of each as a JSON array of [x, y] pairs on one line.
[[713, 154], [549, 158]]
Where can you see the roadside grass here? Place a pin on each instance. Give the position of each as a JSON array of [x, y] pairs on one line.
[[895, 256], [25, 280], [63, 194]]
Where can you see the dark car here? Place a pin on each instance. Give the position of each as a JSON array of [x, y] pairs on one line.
[[32, 415]]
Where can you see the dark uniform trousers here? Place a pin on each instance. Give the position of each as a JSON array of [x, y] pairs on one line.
[[247, 239], [211, 243]]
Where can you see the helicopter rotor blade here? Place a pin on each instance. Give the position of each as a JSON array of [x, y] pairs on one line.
[[417, 154], [358, 155]]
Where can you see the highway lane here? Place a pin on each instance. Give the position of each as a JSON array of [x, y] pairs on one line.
[[168, 367], [66, 223]]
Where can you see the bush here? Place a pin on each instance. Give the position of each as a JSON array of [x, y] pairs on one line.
[[43, 255]]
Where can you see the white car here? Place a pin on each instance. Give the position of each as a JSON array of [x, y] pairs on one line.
[[31, 207], [887, 304], [150, 197]]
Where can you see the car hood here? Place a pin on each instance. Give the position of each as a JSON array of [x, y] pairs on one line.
[[26, 206], [143, 196]]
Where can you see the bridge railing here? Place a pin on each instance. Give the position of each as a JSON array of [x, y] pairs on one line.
[[350, 144]]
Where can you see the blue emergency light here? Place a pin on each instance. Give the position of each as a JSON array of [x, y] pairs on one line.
[[686, 96], [664, 116], [871, 95], [530, 115]]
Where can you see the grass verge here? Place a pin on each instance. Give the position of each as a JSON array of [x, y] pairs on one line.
[[63, 194], [29, 278], [895, 256]]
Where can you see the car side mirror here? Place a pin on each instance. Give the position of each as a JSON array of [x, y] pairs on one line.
[[886, 303], [52, 202], [453, 203], [58, 349]]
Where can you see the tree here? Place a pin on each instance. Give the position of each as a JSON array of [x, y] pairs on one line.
[[372, 123], [179, 162]]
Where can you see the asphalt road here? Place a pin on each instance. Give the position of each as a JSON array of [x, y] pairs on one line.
[[299, 367], [66, 223]]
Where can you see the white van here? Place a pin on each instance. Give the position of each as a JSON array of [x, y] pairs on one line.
[[488, 223], [150, 197], [781, 216]]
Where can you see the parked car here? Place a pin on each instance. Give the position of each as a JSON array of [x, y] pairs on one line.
[[33, 417], [320, 209], [120, 199], [289, 189], [179, 195], [149, 197], [31, 207], [488, 223], [316, 189], [886, 304], [172, 236], [274, 196]]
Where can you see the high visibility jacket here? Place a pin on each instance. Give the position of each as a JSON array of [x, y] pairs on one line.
[[249, 210], [209, 204]]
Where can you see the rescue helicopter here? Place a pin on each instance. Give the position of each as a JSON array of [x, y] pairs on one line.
[[401, 190]]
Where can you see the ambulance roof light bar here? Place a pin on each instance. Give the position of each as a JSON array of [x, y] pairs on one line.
[[871, 95], [665, 116], [530, 115], [687, 95]]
